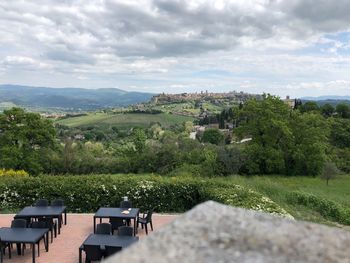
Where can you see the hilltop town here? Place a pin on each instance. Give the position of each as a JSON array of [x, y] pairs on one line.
[[233, 96]]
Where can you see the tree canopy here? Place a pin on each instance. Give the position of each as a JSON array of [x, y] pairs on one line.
[[283, 141], [23, 137]]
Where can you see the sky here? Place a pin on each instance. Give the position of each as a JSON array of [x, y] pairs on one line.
[[283, 47]]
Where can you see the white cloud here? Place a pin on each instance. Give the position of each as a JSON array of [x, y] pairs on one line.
[[23, 62], [162, 45]]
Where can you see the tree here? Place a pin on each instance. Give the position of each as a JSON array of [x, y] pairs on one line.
[[297, 104], [329, 171], [283, 141], [343, 110], [309, 106], [327, 110], [307, 154], [188, 127], [340, 132], [230, 159], [69, 153], [213, 136], [266, 122], [139, 139], [23, 138]]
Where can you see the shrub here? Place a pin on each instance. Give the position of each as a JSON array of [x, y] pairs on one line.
[[165, 194], [13, 173], [236, 195], [326, 208]]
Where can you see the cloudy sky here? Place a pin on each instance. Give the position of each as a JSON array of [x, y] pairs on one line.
[[284, 47]]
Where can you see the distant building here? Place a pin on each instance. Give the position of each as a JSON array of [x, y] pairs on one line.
[[184, 97], [245, 140], [290, 102], [214, 125], [79, 137], [52, 115]]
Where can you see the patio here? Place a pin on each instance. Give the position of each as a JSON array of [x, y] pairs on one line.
[[65, 247]]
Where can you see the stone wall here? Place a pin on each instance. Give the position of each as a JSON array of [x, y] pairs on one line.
[[212, 232]]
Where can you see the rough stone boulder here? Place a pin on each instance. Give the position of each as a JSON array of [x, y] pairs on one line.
[[212, 232]]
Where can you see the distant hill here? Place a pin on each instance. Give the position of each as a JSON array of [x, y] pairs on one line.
[[328, 97], [68, 98], [333, 100]]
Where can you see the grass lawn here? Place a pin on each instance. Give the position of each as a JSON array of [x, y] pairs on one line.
[[277, 188], [124, 120]]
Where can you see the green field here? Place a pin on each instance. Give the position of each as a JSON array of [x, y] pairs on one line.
[[279, 189], [124, 120]]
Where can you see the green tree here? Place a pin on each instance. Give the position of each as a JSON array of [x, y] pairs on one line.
[[307, 155], [188, 127], [329, 171], [230, 159], [343, 110], [327, 110], [309, 106], [23, 138], [297, 104], [340, 132], [139, 139], [283, 141], [213, 136], [69, 156], [266, 122]]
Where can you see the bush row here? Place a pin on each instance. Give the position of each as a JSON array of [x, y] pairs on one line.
[[165, 194], [327, 208]]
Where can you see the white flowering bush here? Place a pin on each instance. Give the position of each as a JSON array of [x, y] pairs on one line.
[[240, 196], [8, 197]]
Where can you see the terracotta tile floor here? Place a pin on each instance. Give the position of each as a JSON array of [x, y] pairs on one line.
[[65, 247]]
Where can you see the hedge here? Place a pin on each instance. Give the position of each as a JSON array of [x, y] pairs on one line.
[[165, 194], [327, 208]]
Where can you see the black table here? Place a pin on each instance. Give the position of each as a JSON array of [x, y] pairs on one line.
[[111, 212], [107, 240], [25, 235], [44, 211]]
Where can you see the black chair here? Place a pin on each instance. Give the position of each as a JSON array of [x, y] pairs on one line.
[[125, 231], [104, 229], [116, 223], [93, 253], [50, 224], [125, 204], [109, 251], [39, 224], [18, 223], [42, 202], [58, 202], [3, 246], [145, 219]]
